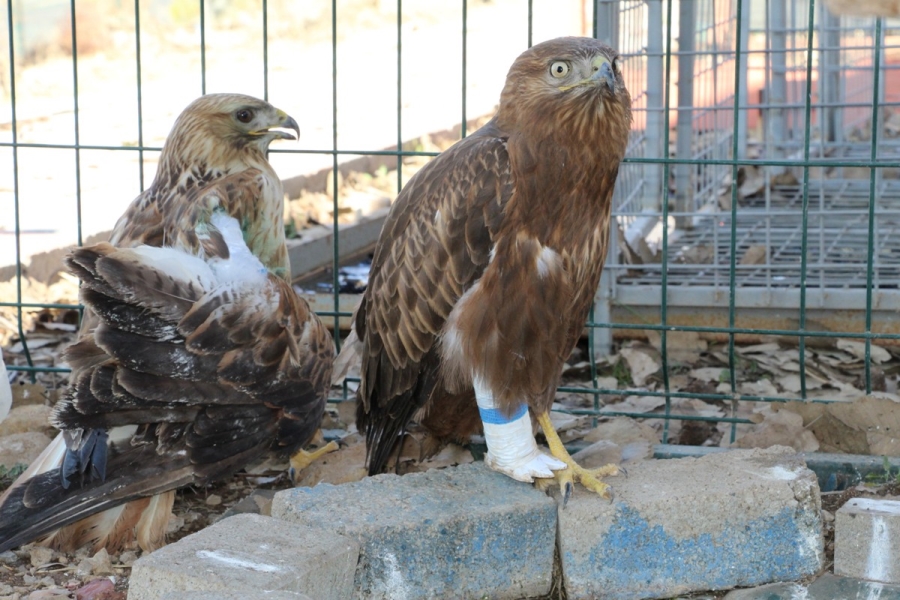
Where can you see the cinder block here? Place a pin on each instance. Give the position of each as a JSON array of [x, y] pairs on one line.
[[465, 532], [738, 518], [867, 540], [249, 556]]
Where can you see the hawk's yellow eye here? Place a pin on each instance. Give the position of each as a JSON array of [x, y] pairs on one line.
[[559, 69], [245, 115]]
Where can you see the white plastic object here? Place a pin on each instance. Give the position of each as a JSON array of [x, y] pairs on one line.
[[510, 440]]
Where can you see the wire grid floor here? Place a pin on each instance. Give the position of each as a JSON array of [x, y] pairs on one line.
[[837, 245]]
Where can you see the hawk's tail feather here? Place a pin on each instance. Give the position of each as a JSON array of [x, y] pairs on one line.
[[37, 505]]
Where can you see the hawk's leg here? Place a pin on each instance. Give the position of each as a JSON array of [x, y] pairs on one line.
[[302, 459], [589, 478], [510, 440]]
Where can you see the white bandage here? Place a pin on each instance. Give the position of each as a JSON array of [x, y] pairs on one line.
[[510, 440]]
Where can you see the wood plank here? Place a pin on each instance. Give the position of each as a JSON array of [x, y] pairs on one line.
[[315, 249]]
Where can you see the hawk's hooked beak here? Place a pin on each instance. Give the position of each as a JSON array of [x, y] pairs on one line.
[[287, 122], [602, 75], [605, 75]]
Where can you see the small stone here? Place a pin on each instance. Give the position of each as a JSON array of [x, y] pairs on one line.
[[96, 589], [214, 500], [128, 557], [7, 558], [41, 555], [47, 581], [175, 524], [84, 568], [5, 589], [101, 564], [83, 552], [28, 579]]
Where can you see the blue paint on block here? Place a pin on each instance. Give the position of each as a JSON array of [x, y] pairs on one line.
[[457, 533], [638, 558]]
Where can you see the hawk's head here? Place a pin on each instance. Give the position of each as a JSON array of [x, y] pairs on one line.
[[215, 127], [570, 85]]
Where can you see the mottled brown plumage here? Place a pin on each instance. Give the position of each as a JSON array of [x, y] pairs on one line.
[[489, 260], [195, 355]]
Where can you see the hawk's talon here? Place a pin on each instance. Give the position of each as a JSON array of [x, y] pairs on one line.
[[302, 459], [589, 478]]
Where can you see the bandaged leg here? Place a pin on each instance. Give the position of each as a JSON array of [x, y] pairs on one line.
[[510, 441]]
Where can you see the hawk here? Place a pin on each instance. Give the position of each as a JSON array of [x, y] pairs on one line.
[[195, 355], [487, 266]]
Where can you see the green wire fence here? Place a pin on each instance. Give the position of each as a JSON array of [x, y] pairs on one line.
[[689, 67]]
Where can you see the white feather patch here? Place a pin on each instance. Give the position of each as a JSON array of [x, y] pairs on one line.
[[177, 263], [241, 266], [547, 261]]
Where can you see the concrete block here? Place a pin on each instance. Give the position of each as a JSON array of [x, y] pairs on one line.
[[464, 532], [738, 518], [826, 587], [867, 540], [250, 556]]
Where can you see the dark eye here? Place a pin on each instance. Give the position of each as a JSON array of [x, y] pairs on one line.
[[245, 115]]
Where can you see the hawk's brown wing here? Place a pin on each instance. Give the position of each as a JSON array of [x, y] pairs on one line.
[[203, 378], [435, 243]]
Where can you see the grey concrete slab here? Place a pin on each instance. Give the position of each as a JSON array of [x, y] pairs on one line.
[[867, 539], [464, 532], [249, 555], [738, 518], [826, 587], [262, 595]]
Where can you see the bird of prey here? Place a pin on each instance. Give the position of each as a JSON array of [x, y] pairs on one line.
[[195, 355], [487, 266]]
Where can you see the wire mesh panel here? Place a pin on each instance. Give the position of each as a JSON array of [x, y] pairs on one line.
[[779, 198]]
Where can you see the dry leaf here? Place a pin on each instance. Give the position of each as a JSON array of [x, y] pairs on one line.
[[761, 387], [767, 348], [681, 346], [791, 383], [641, 364], [709, 374], [858, 349], [869, 425], [782, 428], [636, 404]]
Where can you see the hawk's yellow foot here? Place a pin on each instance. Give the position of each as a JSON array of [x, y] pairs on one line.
[[589, 478], [302, 459]]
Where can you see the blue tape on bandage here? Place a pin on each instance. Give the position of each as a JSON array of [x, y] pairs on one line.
[[495, 416]]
